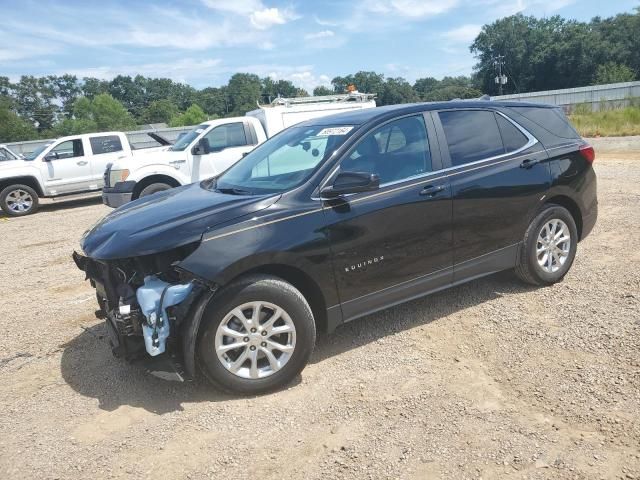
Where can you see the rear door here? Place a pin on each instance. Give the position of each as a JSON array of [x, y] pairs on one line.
[[66, 168], [498, 173], [394, 243], [106, 149], [227, 144]]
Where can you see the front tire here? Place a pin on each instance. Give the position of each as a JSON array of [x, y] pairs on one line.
[[549, 247], [257, 335], [19, 200], [153, 188]]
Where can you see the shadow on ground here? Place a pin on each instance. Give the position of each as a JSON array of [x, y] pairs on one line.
[[89, 368], [47, 205]]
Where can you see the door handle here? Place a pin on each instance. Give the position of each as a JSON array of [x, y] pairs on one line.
[[431, 190], [528, 163], [82, 163]]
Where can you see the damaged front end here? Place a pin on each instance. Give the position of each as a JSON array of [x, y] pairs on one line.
[[146, 302]]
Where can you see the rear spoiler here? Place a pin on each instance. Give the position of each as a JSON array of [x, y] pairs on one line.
[[159, 138]]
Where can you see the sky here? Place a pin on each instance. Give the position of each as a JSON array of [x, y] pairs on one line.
[[203, 42]]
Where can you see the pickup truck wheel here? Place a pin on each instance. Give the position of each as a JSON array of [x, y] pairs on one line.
[[153, 188], [549, 247], [19, 200], [257, 335]]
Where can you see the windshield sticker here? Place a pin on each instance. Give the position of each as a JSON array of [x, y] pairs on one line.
[[199, 130], [326, 132]]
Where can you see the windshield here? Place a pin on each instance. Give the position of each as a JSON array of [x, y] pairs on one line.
[[184, 141], [36, 152], [283, 162]]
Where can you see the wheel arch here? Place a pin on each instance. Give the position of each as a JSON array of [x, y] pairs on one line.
[[156, 178], [28, 180], [571, 206], [302, 281]]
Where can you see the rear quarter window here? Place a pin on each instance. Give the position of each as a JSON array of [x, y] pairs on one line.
[[512, 137], [105, 144], [553, 120]]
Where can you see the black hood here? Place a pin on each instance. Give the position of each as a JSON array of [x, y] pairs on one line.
[[166, 220]]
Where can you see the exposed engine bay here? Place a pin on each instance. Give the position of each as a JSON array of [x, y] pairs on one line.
[[144, 300]]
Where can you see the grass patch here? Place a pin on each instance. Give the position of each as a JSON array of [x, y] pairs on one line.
[[608, 123]]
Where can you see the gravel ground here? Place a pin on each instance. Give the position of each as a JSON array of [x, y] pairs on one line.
[[491, 379]]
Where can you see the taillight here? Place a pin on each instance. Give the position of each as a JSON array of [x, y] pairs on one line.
[[588, 153]]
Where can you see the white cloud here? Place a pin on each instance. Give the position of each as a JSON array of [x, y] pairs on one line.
[[463, 34], [267, 18], [410, 8], [303, 76], [318, 35], [240, 7], [181, 70]]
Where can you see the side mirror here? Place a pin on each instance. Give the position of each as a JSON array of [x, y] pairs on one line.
[[49, 157], [351, 182], [202, 147]]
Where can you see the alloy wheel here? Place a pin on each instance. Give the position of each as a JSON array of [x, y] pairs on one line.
[[255, 340], [19, 201], [553, 245]]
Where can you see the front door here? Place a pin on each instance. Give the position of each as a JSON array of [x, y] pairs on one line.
[[394, 243], [66, 168], [227, 144], [498, 174]]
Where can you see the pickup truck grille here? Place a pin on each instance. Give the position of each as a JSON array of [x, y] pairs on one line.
[[107, 174]]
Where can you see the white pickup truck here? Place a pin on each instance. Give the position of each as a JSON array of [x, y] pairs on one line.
[[213, 146], [62, 167]]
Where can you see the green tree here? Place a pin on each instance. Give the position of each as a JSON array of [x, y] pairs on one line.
[[397, 90], [12, 127], [284, 88], [611, 72], [92, 87], [213, 101], [159, 111], [193, 116], [35, 101], [103, 113], [365, 82], [322, 91], [244, 91]]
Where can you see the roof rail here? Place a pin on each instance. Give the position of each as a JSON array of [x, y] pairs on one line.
[[345, 97]]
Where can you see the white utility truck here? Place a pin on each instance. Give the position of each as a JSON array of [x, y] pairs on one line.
[[213, 146], [62, 167]]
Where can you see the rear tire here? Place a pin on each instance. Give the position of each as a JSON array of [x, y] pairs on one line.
[[255, 366], [549, 247], [19, 200], [153, 188]]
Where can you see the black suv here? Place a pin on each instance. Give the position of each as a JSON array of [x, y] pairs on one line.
[[333, 219]]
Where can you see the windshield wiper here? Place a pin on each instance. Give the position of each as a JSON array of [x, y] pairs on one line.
[[234, 191]]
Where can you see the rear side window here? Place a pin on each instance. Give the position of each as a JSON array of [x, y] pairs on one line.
[[106, 144], [471, 135], [512, 138], [553, 120]]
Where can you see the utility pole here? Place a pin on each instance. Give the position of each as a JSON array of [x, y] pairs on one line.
[[500, 79]]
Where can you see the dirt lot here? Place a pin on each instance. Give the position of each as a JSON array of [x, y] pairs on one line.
[[492, 379]]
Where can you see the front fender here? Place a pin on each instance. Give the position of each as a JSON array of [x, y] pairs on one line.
[[159, 169]]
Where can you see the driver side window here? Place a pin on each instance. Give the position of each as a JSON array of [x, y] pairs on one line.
[[395, 151], [68, 149], [225, 136]]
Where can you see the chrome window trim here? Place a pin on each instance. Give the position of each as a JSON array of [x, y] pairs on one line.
[[512, 156]]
